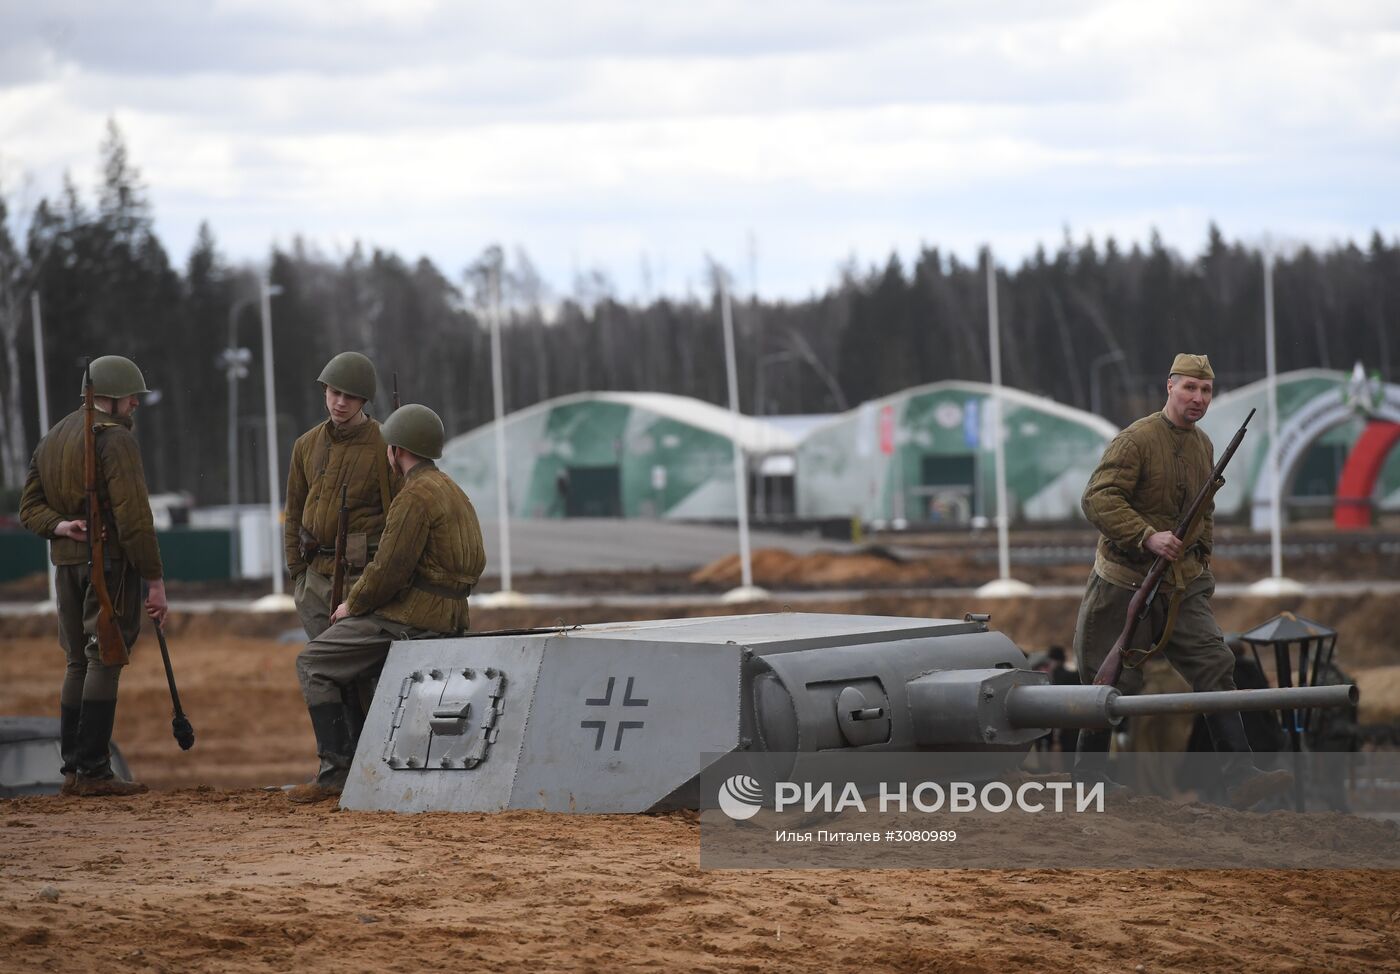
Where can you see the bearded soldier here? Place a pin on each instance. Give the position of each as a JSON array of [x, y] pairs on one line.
[[54, 506], [346, 450], [430, 556], [1145, 481]]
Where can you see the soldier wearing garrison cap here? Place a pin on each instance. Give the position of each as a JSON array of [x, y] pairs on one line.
[[54, 506], [430, 555], [1147, 478]]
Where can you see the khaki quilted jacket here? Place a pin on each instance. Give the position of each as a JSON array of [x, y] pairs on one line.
[[1149, 475], [54, 491], [430, 555]]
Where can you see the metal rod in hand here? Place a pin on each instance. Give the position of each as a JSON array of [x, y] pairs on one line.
[[180, 725]]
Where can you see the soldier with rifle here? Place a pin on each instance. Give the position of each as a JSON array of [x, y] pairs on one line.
[[86, 493], [339, 487], [430, 556], [1152, 499]]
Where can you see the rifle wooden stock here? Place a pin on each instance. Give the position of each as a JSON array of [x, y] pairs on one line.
[[110, 644], [1112, 666], [342, 532]]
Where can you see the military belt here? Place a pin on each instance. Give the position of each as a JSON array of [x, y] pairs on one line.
[[442, 591], [372, 547]]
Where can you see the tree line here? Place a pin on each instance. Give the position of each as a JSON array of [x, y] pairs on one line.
[[1090, 324]]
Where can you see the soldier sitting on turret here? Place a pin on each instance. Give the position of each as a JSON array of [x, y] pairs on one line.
[[430, 556]]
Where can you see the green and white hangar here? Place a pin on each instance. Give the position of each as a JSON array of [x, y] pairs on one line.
[[926, 455], [617, 454]]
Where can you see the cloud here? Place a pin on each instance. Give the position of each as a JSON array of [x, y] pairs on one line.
[[592, 132]]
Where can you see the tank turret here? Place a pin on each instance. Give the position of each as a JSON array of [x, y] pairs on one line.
[[625, 717]]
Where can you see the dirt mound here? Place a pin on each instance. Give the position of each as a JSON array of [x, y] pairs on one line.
[[870, 568]]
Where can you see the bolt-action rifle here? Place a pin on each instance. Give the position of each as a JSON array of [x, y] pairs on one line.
[[342, 532], [110, 644], [1141, 602], [397, 404]]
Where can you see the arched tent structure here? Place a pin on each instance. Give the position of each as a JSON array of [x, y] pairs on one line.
[[1322, 414], [926, 455], [614, 454]]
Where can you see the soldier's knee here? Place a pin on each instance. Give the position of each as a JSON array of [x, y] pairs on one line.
[[1216, 674]]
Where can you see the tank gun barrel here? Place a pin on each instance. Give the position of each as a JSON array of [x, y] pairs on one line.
[[1280, 698], [1099, 707]]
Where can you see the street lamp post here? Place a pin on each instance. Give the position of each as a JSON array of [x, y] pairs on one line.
[[1004, 586], [41, 382], [278, 601], [234, 361], [1276, 584], [747, 591]]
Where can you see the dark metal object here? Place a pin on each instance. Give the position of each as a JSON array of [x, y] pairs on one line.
[[397, 404], [180, 724], [1316, 644], [1112, 665]]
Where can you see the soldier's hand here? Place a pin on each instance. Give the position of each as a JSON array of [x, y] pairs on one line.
[[341, 611], [156, 605], [1165, 544], [76, 529]]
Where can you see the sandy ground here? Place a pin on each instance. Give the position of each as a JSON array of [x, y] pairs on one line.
[[242, 881], [209, 872]]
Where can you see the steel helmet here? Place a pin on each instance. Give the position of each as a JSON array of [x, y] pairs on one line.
[[351, 372], [115, 376], [416, 429]]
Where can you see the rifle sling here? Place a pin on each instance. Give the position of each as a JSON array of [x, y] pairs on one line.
[[1133, 658]]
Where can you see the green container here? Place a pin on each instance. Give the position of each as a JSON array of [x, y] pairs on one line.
[[189, 554]]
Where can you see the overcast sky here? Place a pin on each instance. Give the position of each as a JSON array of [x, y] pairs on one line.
[[602, 134]]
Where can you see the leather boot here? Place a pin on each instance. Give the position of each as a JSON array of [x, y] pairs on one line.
[[1246, 785], [68, 721], [1091, 761], [333, 746], [94, 757]]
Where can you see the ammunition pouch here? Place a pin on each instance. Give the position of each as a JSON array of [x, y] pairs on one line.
[[308, 545], [359, 549]]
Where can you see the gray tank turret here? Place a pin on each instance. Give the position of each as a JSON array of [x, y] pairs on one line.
[[624, 717]]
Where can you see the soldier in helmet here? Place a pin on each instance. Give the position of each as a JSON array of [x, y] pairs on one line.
[[1144, 483], [347, 449], [54, 506], [430, 556]]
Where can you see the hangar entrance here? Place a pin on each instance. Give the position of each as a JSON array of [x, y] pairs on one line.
[[593, 492], [947, 488]]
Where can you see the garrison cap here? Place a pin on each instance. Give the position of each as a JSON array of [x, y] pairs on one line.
[[1196, 366]]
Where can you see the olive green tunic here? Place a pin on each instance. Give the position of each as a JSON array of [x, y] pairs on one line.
[[430, 555], [324, 458], [54, 491], [1149, 475]]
